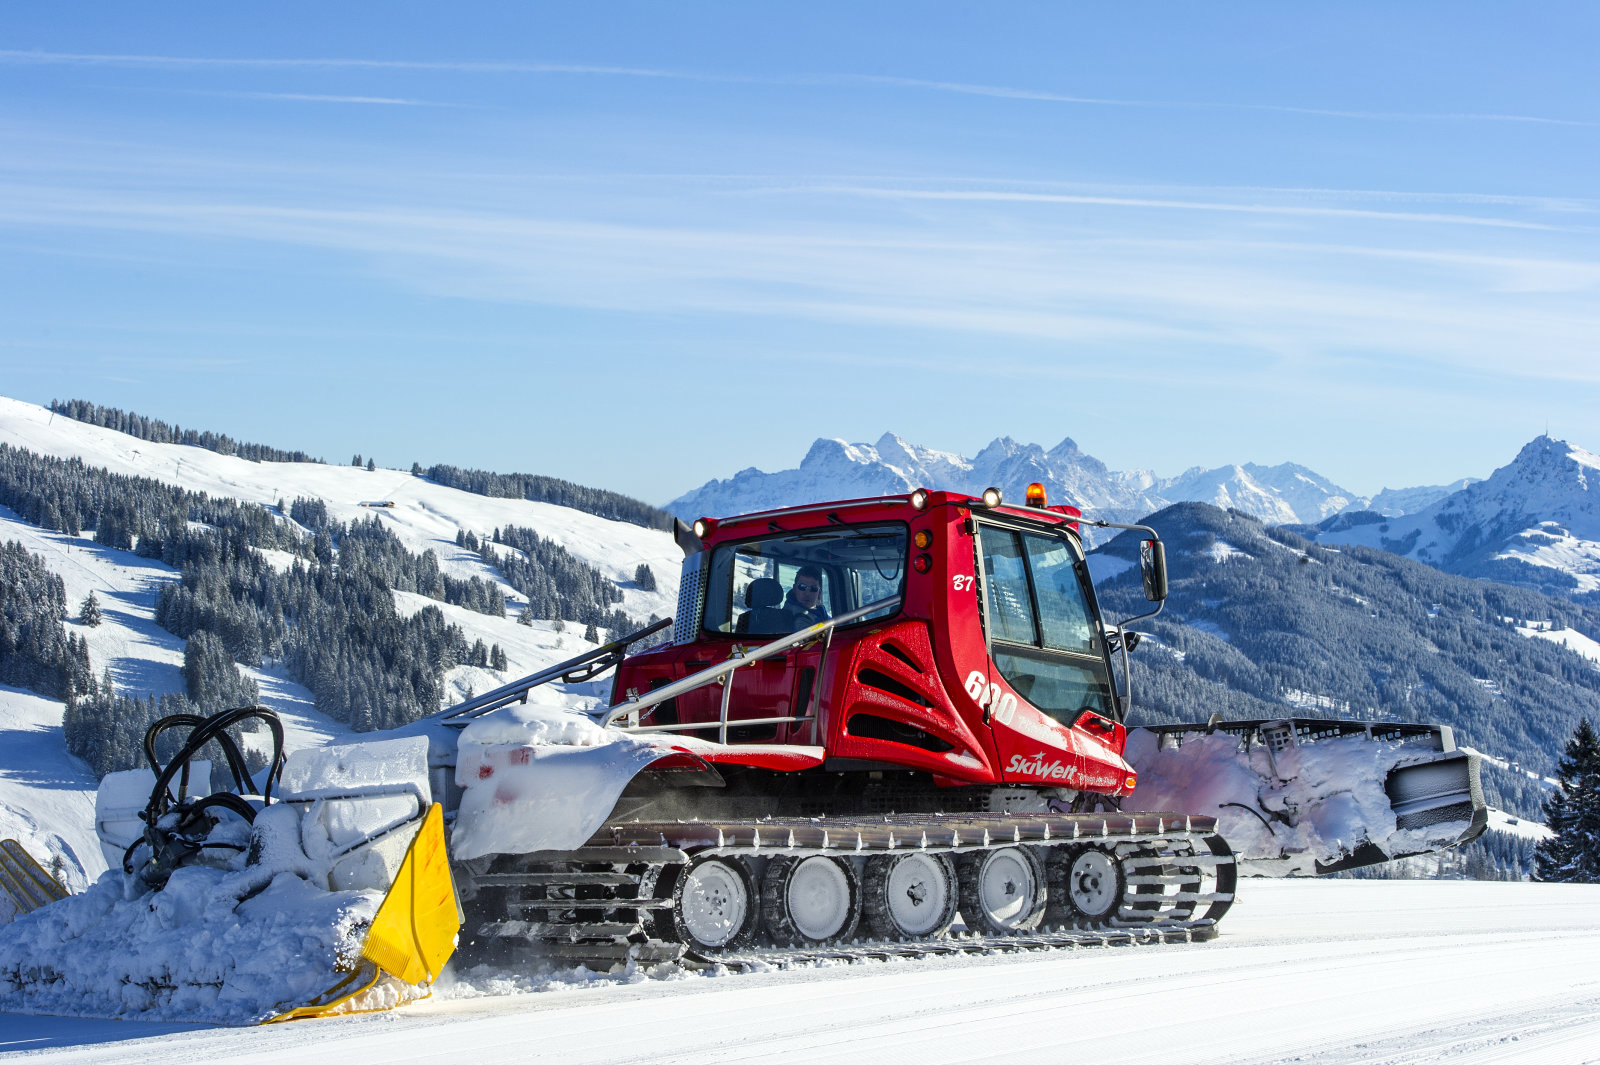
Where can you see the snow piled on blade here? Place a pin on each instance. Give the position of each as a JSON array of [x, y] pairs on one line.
[[1322, 802], [538, 777], [240, 935], [218, 945]]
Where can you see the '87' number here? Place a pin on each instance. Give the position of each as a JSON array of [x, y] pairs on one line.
[[962, 582]]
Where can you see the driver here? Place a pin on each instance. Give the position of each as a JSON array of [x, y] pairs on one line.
[[804, 602]]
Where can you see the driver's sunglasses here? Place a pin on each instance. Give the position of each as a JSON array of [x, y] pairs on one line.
[[808, 587]]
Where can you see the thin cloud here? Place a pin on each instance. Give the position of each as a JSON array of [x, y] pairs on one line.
[[1000, 91], [213, 62], [1011, 93], [1180, 302], [311, 97], [998, 196], [1005, 92]]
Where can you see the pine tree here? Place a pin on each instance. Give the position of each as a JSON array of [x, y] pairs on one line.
[[89, 612], [372, 464], [1572, 854], [644, 578], [591, 634]]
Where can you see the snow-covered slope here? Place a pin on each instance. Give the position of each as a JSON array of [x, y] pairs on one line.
[[834, 469], [1282, 494], [1571, 639], [425, 516], [47, 796], [1535, 521], [1393, 502], [1335, 972]]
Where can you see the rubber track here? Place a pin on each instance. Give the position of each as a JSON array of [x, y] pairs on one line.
[[598, 901]]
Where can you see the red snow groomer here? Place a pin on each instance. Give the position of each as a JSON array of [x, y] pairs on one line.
[[879, 715]]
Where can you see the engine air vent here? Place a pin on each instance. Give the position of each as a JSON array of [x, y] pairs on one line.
[[873, 727], [873, 678], [896, 651]]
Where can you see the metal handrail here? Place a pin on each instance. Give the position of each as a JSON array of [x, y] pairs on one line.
[[573, 671], [712, 674], [696, 726]]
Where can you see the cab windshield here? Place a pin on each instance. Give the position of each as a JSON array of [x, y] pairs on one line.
[[1042, 634], [780, 584]]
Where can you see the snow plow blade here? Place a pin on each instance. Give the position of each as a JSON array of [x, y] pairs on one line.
[[23, 882], [1305, 796], [412, 935]]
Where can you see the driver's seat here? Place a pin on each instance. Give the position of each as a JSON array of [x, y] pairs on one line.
[[762, 596]]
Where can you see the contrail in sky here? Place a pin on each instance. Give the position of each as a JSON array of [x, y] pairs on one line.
[[963, 88]]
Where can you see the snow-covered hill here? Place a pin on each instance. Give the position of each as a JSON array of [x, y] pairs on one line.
[[425, 516], [1393, 502], [1534, 521], [834, 469], [47, 796]]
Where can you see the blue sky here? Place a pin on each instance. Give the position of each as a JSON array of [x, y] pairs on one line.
[[643, 245]]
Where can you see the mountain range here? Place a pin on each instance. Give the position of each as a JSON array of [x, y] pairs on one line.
[[1534, 522], [833, 469]]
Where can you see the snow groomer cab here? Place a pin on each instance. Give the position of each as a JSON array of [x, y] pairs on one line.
[[966, 647]]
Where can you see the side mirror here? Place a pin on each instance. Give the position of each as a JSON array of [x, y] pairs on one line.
[[1153, 567]]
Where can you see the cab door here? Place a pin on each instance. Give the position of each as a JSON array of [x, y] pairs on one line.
[[765, 689], [1050, 705]]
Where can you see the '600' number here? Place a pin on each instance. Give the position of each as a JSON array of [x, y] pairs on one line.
[[1002, 705]]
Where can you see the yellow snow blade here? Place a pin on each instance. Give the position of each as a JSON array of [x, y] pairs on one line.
[[414, 931], [23, 881]]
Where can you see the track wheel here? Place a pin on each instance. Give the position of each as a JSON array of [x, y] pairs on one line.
[[715, 906], [810, 900], [1002, 890], [1090, 884], [910, 896]]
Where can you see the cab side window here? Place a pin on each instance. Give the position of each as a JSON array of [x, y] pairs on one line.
[[1042, 637], [1006, 585]]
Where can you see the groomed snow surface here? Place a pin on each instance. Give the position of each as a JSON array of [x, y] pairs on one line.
[[1318, 971]]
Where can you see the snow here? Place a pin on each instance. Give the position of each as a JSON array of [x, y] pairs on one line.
[[425, 516], [229, 947], [1541, 509], [1571, 639], [537, 776], [1104, 567], [1552, 547], [539, 797], [1324, 971], [1221, 551], [232, 939], [836, 469], [46, 795], [1500, 821], [1209, 627], [1312, 801]]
